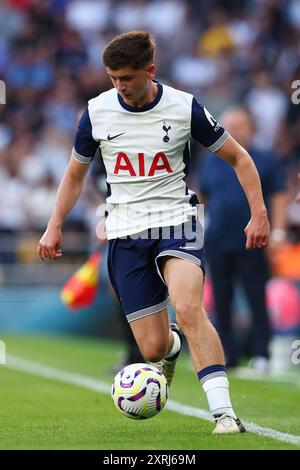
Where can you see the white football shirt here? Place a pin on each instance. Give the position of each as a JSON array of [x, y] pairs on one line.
[[146, 156]]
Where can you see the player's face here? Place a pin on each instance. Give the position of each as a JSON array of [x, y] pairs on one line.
[[239, 125], [133, 85]]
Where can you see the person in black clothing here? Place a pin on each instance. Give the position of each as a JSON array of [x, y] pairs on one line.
[[228, 259]]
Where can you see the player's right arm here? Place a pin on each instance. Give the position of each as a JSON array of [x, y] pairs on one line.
[[68, 192], [70, 188]]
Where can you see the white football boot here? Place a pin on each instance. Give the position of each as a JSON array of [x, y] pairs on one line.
[[228, 425]]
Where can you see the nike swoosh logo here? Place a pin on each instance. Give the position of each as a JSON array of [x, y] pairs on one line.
[[114, 136]]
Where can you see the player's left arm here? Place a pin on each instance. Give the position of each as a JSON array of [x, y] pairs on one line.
[[258, 228]]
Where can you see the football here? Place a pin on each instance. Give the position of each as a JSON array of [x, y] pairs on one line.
[[139, 391]]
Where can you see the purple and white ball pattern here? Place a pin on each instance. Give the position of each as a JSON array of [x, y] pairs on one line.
[[139, 391]]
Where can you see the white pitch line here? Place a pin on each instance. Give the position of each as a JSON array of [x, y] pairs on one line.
[[23, 365], [251, 427]]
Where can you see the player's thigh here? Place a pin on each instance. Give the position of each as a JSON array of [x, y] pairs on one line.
[[134, 277], [185, 281], [152, 331]]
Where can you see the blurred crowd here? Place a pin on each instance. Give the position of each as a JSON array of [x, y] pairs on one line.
[[224, 52]]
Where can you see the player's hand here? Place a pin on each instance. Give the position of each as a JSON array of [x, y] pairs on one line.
[[258, 231], [50, 244]]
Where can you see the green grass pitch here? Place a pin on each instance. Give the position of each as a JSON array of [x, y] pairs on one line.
[[42, 413]]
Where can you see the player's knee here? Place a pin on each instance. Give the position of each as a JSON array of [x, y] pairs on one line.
[[188, 315], [154, 351]]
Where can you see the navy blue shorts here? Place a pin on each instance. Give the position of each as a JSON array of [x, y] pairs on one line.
[[134, 265]]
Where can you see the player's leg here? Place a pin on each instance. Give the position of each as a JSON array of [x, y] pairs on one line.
[[185, 284], [161, 344], [143, 296], [152, 334]]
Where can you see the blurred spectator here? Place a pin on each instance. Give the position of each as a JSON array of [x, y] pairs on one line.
[[40, 202], [61, 107], [12, 21], [52, 150], [88, 15], [191, 71], [217, 38], [30, 69], [268, 105], [142, 14], [228, 259], [71, 51]]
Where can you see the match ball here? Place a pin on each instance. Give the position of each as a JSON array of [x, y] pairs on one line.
[[139, 391]]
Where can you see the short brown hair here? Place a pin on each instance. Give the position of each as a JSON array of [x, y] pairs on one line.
[[134, 49]]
